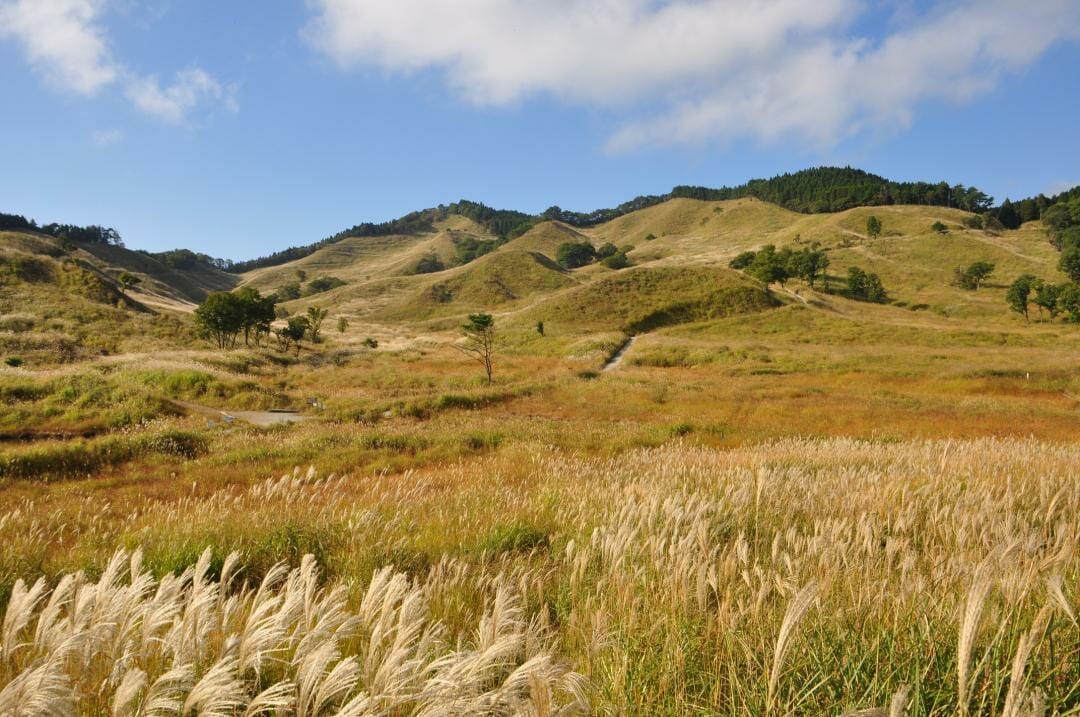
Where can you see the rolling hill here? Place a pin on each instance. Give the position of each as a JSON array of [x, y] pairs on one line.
[[423, 273]]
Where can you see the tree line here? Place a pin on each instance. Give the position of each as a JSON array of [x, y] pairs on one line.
[[92, 234], [1061, 220]]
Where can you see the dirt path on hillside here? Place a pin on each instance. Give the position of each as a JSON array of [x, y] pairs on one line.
[[256, 418], [617, 357]]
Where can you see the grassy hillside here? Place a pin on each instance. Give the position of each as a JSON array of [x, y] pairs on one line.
[[546, 238], [643, 299], [489, 283], [57, 307]]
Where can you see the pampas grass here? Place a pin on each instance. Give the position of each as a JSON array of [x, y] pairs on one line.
[[794, 577], [188, 645]]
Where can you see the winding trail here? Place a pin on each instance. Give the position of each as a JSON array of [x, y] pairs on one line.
[[617, 357], [256, 418]]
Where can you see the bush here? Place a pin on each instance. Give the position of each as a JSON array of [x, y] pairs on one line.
[[572, 255], [606, 250], [429, 264], [743, 260], [939, 228], [617, 261], [974, 222], [370, 343], [13, 361], [289, 292], [862, 286], [321, 284], [873, 226]]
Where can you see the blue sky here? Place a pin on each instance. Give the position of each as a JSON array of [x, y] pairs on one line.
[[241, 128]]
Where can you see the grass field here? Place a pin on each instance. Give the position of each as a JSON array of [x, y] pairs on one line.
[[781, 502]]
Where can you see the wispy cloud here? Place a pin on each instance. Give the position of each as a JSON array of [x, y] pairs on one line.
[[106, 137], [191, 89], [687, 71], [66, 41]]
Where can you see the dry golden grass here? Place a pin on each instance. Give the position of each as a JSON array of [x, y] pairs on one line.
[[675, 580]]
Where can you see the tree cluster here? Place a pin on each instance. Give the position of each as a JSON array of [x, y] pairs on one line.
[[768, 265], [224, 315], [1061, 219], [572, 255], [864, 286], [1053, 299]]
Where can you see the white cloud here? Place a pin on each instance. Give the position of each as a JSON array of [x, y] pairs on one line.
[[686, 71], [62, 40], [106, 137], [191, 89], [66, 41]]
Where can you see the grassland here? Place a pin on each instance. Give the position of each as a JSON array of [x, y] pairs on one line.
[[782, 502]]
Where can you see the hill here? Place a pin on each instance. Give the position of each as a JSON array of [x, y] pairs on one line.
[[643, 299], [60, 305], [490, 282]]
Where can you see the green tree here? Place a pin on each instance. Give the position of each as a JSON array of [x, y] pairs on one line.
[[1069, 301], [1070, 263], [342, 324], [808, 265], [768, 266], [221, 316], [294, 331], [974, 275], [863, 286], [127, 280], [742, 261], [479, 341], [1047, 296], [571, 255], [315, 316], [257, 313], [1019, 294], [873, 226], [540, 327]]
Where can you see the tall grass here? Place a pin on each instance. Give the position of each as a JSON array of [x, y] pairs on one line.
[[795, 577]]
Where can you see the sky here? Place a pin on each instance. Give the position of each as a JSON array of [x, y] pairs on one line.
[[237, 129]]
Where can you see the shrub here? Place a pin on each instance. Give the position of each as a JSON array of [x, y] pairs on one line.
[[972, 277], [289, 292], [743, 260], [617, 261], [13, 361], [606, 250], [873, 226], [939, 228], [572, 255], [862, 286], [429, 264], [321, 284]]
